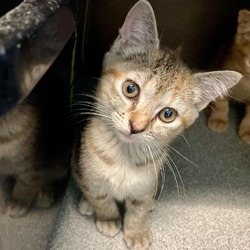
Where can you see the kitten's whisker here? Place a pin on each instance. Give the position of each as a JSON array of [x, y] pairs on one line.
[[83, 103], [162, 160], [95, 78], [88, 112], [147, 159], [99, 110], [183, 156], [76, 117], [179, 175], [165, 158], [97, 100], [163, 177], [81, 121], [156, 179], [211, 107], [185, 139], [95, 114], [94, 98], [72, 117], [173, 172], [155, 169], [92, 104], [238, 100], [162, 170]]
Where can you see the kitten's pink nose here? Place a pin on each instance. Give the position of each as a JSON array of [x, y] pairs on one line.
[[136, 128], [138, 121]]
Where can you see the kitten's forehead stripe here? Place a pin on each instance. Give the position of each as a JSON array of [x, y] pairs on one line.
[[162, 64], [158, 61]]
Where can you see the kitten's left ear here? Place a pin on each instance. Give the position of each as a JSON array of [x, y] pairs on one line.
[[139, 28], [211, 85]]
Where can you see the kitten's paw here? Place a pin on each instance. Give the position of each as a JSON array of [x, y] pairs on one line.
[[85, 208], [44, 200], [217, 125], [16, 209], [245, 136], [138, 240], [109, 227]]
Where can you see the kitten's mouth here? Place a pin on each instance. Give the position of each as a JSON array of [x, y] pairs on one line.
[[126, 136]]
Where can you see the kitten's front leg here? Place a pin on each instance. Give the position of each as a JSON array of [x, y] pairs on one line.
[[108, 219], [218, 119], [137, 235], [21, 200], [26, 189], [244, 129], [3, 194]]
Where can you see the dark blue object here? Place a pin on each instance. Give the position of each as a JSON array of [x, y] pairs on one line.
[[131, 88], [168, 113]]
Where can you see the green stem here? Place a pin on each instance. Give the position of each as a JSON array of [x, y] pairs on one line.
[[72, 71]]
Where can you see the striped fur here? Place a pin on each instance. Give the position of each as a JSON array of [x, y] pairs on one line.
[[22, 156], [117, 165]]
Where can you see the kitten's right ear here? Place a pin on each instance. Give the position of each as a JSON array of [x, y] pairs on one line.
[[139, 28], [243, 21]]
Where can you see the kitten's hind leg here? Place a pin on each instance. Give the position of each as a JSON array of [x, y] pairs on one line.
[[108, 218], [136, 233], [244, 129], [218, 119]]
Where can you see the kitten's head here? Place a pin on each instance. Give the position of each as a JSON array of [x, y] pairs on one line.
[[243, 29], [147, 92]]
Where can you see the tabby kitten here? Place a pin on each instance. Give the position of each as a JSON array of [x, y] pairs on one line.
[[29, 154], [145, 98], [238, 59]]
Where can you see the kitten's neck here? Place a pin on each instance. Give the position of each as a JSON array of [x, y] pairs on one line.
[[136, 154]]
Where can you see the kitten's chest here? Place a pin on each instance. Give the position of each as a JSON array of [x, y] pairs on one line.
[[127, 181], [118, 173], [130, 176]]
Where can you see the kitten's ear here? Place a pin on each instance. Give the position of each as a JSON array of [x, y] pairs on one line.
[[139, 27], [243, 21], [211, 85], [178, 51]]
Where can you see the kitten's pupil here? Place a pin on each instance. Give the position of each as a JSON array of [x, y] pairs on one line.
[[131, 88], [168, 113]]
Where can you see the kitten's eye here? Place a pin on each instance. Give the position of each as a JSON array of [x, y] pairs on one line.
[[130, 89], [167, 115]]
